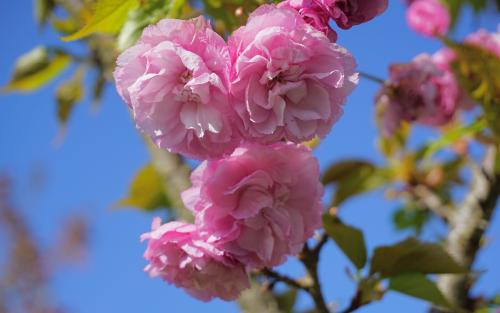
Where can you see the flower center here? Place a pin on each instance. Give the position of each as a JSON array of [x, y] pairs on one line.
[[274, 81], [185, 93], [186, 76]]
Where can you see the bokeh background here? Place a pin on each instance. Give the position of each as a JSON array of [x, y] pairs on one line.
[[92, 167]]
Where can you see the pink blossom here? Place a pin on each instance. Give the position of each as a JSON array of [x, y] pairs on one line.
[[428, 17], [442, 59], [418, 92], [260, 204], [175, 81], [346, 13], [177, 255], [486, 40], [287, 80], [314, 13]]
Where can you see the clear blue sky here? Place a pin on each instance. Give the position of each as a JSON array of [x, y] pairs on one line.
[[102, 151]]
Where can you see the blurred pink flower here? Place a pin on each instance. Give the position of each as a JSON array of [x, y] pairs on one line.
[[288, 81], [346, 13], [175, 81], [486, 40], [443, 58], [260, 204], [482, 38], [428, 17], [421, 91], [177, 255]]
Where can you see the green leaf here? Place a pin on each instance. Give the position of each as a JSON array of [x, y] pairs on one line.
[[370, 289], [349, 239], [455, 7], [413, 256], [68, 94], [495, 300], [36, 68], [353, 177], [410, 218], [452, 135], [286, 301], [146, 191], [418, 286], [138, 19], [148, 13], [98, 88], [108, 17], [343, 169], [43, 10]]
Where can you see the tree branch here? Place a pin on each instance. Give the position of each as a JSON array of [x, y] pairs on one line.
[[432, 201], [371, 77], [175, 176], [323, 239], [356, 303], [310, 260], [297, 284], [467, 227]]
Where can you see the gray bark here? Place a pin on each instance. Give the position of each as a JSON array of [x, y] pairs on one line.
[[468, 224]]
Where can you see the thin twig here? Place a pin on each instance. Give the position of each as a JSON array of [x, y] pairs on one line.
[[432, 201], [284, 279], [373, 78], [321, 242], [355, 303]]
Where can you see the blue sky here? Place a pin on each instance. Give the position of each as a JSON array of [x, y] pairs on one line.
[[102, 151]]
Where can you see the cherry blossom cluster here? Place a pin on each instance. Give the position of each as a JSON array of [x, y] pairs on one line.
[[244, 107], [428, 17], [425, 91]]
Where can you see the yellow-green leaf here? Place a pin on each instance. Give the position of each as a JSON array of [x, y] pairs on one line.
[[108, 17], [147, 14], [176, 7], [146, 191], [67, 95], [477, 71], [36, 68], [65, 26], [451, 136], [43, 10], [349, 239], [418, 286]]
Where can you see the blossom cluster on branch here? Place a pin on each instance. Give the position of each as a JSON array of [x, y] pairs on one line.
[[425, 90], [244, 107]]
